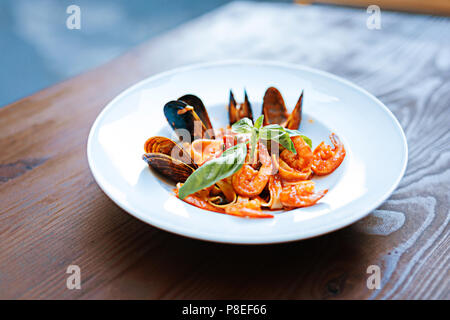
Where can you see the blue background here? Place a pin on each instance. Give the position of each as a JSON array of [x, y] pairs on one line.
[[37, 50]]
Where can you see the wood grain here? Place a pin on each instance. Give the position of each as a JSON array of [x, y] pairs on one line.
[[53, 214], [438, 7]]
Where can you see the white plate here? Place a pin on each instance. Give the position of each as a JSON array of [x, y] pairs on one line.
[[375, 144]]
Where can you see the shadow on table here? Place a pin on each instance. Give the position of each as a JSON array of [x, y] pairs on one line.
[[323, 265], [175, 267]]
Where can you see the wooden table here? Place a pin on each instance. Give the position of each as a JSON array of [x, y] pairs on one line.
[[438, 7], [54, 215]]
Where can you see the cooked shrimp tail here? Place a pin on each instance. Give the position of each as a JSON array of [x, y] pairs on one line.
[[249, 182], [300, 194], [327, 159]]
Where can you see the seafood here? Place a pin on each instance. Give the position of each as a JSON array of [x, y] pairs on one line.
[[294, 119], [239, 170], [186, 122], [294, 167], [275, 112], [304, 157], [327, 159], [247, 208], [249, 182], [237, 112], [291, 174], [168, 147], [200, 202], [301, 194], [169, 167], [168, 158], [199, 109]]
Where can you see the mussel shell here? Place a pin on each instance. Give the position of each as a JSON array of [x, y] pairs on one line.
[[232, 109], [168, 147], [274, 108], [169, 167], [182, 116], [246, 108], [295, 118], [199, 109], [237, 112]]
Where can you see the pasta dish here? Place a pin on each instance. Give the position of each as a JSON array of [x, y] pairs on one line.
[[251, 168]]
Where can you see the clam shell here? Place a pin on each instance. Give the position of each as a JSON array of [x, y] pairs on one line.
[[169, 167], [168, 147]]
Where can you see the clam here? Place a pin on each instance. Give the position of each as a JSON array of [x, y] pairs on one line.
[[168, 158], [237, 112], [275, 112], [169, 167], [168, 147]]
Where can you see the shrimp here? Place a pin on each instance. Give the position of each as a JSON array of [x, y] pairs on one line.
[[290, 174], [201, 203], [304, 157], [198, 199], [249, 182], [327, 159], [300, 194], [296, 166], [247, 208]]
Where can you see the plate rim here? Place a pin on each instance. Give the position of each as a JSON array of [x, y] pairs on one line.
[[246, 241]]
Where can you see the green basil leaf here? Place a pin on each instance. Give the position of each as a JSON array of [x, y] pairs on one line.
[[307, 140], [271, 131], [259, 122], [233, 149], [278, 134], [273, 127], [230, 162], [245, 125], [285, 141], [294, 133], [253, 140]]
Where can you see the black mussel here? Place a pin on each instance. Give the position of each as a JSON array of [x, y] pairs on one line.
[[274, 108], [183, 119], [295, 118], [275, 112], [237, 112], [199, 109]]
